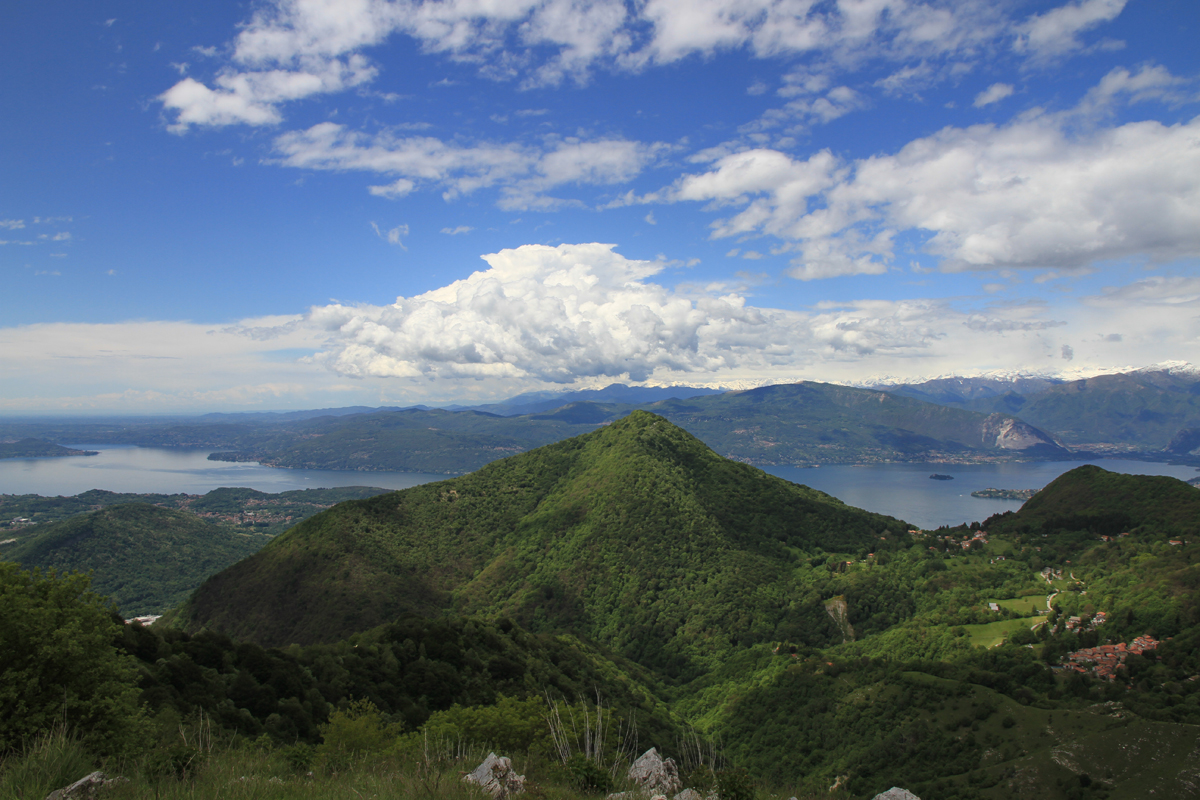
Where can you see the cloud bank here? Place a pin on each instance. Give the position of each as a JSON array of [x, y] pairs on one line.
[[575, 315]]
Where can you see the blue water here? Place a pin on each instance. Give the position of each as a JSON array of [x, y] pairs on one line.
[[901, 490], [906, 491], [171, 471]]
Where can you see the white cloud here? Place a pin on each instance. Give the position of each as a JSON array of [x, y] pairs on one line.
[[456, 231], [1150, 82], [12, 224], [650, 220], [393, 235], [1029, 194], [550, 314], [1056, 32], [291, 49], [993, 94], [523, 173], [577, 315]]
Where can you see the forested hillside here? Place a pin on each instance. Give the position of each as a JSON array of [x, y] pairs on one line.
[[769, 637], [636, 535]]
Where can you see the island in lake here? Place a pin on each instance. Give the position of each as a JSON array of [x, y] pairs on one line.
[[1005, 494], [39, 448], [936, 477]]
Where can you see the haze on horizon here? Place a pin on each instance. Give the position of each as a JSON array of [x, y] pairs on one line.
[[286, 206]]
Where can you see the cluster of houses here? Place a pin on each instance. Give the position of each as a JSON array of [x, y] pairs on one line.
[[1104, 660], [1078, 624]]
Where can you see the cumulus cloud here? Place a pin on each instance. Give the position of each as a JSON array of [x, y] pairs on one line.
[[576, 313], [554, 314], [1034, 193], [993, 94]]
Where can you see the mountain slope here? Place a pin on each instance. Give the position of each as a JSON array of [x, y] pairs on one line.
[[636, 535], [144, 557], [1140, 410], [802, 423], [1090, 498], [824, 423]]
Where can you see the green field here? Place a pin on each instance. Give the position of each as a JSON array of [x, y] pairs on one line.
[[1021, 605], [994, 633]]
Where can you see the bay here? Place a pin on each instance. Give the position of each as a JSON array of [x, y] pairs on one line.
[[164, 470], [901, 490], [907, 492]]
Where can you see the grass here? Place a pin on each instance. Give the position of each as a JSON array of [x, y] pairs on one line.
[[991, 634], [247, 773], [1021, 605]]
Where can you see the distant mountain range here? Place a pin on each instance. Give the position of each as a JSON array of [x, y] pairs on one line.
[[1136, 411], [794, 424], [1149, 413]]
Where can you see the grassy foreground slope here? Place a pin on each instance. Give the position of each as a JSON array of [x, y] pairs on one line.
[[636, 535]]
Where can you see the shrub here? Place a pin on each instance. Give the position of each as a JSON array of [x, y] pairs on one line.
[[355, 731]]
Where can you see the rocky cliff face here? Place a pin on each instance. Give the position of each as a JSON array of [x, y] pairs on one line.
[[1008, 433]]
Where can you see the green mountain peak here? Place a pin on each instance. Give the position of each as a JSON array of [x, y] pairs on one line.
[[635, 535]]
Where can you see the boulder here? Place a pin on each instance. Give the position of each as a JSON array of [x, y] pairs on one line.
[[86, 787], [497, 777], [688, 794], [896, 793], [654, 774]]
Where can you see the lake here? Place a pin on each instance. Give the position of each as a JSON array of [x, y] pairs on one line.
[[902, 490]]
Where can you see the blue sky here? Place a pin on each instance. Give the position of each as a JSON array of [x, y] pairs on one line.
[[285, 204]]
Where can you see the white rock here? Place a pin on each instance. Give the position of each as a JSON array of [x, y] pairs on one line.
[[655, 775], [497, 777], [896, 793], [86, 787]]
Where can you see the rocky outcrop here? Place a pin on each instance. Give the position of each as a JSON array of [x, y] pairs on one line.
[[88, 786], [838, 611], [654, 774], [497, 777], [896, 793], [1185, 443], [1009, 433]]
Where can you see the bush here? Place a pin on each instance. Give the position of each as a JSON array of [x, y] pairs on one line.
[[61, 665], [734, 783], [586, 775], [353, 732]]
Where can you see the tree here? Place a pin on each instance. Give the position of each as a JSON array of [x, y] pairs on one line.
[[59, 664]]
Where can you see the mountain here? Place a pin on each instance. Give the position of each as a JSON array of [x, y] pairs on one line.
[[815, 423], [961, 391], [1099, 502], [145, 558], [802, 423], [535, 402], [636, 535], [1138, 411]]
